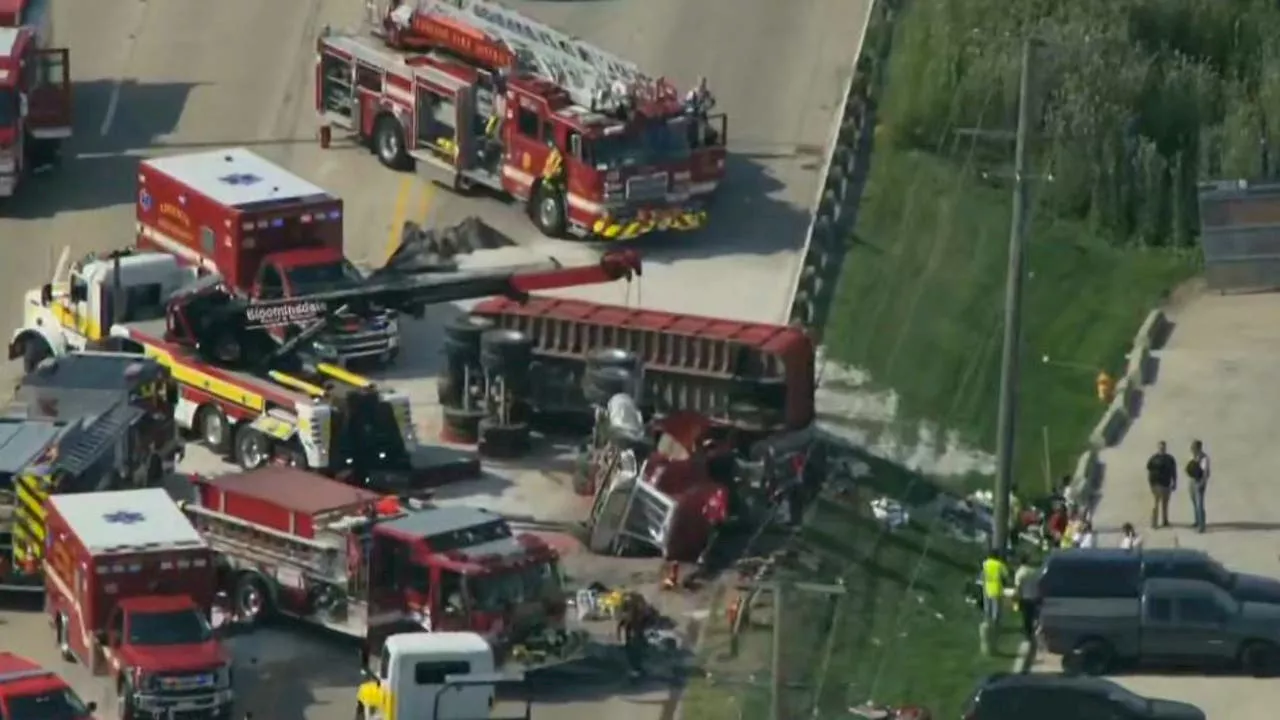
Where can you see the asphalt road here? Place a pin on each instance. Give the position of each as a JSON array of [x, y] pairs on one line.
[[176, 76], [1215, 382]]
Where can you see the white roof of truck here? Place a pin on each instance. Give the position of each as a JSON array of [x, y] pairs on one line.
[[459, 643], [234, 177], [127, 521]]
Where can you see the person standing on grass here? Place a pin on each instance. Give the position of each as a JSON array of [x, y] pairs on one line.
[[1198, 471], [1162, 476], [1026, 581]]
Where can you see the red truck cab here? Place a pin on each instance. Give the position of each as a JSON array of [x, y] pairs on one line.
[[267, 232], [29, 692], [130, 588], [35, 91]]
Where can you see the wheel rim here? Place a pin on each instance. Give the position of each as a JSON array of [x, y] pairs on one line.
[[388, 145], [252, 453], [213, 429], [63, 645], [548, 212], [250, 602]]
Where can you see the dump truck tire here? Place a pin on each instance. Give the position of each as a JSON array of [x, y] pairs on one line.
[[462, 425], [600, 384], [612, 357], [503, 441], [448, 390], [462, 337], [509, 352]]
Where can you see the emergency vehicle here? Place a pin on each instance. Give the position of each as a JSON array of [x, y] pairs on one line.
[[29, 691], [79, 423], [474, 95], [35, 91], [130, 588], [267, 232], [332, 420], [369, 566], [435, 676]]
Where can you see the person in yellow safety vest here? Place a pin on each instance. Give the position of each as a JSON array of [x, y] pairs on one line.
[[553, 169], [995, 575], [1106, 387], [1074, 526]]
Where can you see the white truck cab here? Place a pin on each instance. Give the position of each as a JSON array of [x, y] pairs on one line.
[[433, 676]]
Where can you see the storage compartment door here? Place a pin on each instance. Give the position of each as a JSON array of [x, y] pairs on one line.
[[437, 121], [49, 102]]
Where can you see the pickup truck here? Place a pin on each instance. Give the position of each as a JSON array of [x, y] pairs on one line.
[[1093, 572], [1172, 622], [29, 691]]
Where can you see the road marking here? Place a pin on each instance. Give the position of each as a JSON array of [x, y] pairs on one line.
[[112, 104], [398, 215], [426, 193], [424, 202]]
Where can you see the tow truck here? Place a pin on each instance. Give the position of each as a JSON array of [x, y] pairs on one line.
[[35, 91], [130, 587], [79, 423], [29, 691], [256, 400], [474, 95], [268, 233], [369, 566]]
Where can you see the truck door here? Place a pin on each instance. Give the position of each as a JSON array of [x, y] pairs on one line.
[[390, 578], [437, 120], [449, 601], [526, 141], [49, 93], [1202, 627], [1160, 634]]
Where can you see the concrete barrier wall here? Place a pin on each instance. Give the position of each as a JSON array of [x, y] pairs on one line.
[[1139, 373], [847, 164]]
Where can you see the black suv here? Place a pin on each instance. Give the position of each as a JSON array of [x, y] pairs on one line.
[[1060, 697]]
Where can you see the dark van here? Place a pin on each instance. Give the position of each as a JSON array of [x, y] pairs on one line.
[[1115, 573]]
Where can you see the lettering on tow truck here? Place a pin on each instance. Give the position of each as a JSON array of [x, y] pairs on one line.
[[288, 313]]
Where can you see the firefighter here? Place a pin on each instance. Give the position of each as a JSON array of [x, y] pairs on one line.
[[697, 104], [635, 617], [553, 169]]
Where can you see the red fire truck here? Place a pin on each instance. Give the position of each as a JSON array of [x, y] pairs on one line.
[[35, 91], [368, 566], [28, 690], [267, 232], [475, 95], [130, 588]]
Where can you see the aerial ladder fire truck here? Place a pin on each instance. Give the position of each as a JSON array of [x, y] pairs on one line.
[[474, 95], [35, 91], [248, 396]]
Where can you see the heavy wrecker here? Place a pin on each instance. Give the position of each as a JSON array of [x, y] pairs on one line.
[[475, 95], [370, 566], [245, 394], [35, 91]]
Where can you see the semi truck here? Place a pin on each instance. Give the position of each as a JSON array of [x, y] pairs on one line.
[[267, 232], [368, 566], [35, 91], [30, 691], [130, 587], [475, 95], [255, 400], [80, 423]]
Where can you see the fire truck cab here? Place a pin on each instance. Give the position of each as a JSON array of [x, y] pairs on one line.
[[29, 691], [35, 91], [130, 588], [473, 94], [371, 566]]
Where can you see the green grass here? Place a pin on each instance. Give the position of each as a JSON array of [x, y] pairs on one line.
[[919, 305], [902, 634]]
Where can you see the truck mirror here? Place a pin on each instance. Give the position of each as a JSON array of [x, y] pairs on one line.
[[46, 294]]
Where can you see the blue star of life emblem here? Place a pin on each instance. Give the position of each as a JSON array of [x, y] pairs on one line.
[[124, 517], [241, 179]]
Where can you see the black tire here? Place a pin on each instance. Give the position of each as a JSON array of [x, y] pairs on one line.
[[252, 600], [448, 390], [547, 211], [213, 429], [388, 143], [35, 351], [463, 426], [1260, 659], [503, 441], [613, 357], [761, 392], [462, 337], [752, 417], [1092, 657], [63, 638], [600, 384], [509, 352], [253, 449]]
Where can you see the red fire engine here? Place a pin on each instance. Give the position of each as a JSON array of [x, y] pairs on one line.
[[473, 94], [28, 690], [130, 588], [35, 91], [368, 566]]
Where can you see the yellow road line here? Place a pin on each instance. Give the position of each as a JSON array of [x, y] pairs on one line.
[[425, 200], [398, 214]]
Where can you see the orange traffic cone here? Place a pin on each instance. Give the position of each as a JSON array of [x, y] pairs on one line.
[[671, 579]]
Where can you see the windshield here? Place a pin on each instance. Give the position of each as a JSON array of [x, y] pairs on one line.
[[308, 279], [53, 705], [183, 627], [8, 107], [650, 143], [499, 591]]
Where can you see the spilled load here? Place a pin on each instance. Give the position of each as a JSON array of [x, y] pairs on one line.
[[475, 95]]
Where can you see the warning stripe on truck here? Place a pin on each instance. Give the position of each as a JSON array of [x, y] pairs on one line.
[[28, 517]]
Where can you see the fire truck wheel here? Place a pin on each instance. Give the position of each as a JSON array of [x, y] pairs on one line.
[[64, 643], [506, 351], [252, 449], [547, 211], [35, 351], [503, 441], [388, 142], [252, 600], [612, 357], [462, 425], [600, 384], [214, 429]]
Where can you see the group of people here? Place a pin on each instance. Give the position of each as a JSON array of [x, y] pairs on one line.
[[1162, 477], [1022, 587]]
